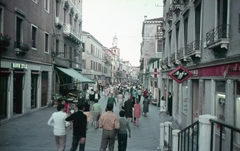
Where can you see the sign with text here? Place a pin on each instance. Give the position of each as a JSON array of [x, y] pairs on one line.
[[19, 65], [180, 74]]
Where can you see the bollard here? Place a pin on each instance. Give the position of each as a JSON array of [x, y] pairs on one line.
[[166, 132], [175, 140], [161, 138], [205, 131]]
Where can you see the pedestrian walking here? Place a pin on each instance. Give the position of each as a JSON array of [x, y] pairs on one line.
[[120, 100], [79, 128], [137, 113], [139, 94], [162, 106], [87, 112], [145, 93], [81, 99], [97, 111], [124, 132], [109, 123], [146, 103], [91, 96], [128, 108], [66, 106], [57, 120], [111, 100]]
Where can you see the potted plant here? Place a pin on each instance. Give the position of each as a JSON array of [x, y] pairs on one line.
[[24, 46], [4, 40]]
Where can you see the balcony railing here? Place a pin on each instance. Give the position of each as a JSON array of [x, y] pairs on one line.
[[188, 138], [173, 57], [176, 5], [180, 53], [71, 33], [165, 60], [217, 33], [194, 48]]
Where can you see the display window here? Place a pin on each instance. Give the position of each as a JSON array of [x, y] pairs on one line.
[[237, 111], [184, 98]]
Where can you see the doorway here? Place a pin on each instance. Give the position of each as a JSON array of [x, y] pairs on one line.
[[17, 92]]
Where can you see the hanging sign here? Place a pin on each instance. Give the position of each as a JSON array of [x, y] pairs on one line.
[[180, 74]]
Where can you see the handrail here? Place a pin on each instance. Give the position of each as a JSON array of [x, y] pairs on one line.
[[233, 129], [185, 133]]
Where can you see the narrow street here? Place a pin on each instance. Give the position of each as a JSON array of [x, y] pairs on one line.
[[31, 132]]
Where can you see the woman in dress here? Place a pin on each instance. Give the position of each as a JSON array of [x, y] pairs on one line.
[[120, 100], [137, 113], [145, 106], [162, 106]]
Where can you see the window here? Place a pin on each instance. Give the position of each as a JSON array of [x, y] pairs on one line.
[[65, 51], [57, 9], [70, 53], [83, 46], [46, 5], [197, 25], [46, 43], [64, 16], [34, 83], [3, 95], [84, 64], [75, 54], [70, 19], [158, 28], [170, 39], [19, 31], [177, 34], [34, 36], [57, 46], [185, 32], [1, 19]]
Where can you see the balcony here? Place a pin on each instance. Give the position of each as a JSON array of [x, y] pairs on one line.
[[194, 49], [58, 22], [172, 57], [71, 33], [176, 6], [218, 37], [21, 48], [169, 17], [180, 54]]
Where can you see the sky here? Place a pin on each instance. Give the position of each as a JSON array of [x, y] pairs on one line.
[[105, 18]]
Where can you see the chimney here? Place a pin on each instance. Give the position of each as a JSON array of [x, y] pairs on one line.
[[145, 17]]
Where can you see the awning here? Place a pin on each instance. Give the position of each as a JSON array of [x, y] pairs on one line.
[[73, 73]]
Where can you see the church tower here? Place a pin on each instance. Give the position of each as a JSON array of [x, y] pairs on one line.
[[115, 41]]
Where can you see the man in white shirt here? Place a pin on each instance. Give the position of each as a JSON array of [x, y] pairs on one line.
[[57, 120]]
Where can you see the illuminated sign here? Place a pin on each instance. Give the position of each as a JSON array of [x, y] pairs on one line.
[[180, 74]]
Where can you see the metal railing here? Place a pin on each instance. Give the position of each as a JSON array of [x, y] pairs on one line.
[[222, 126], [169, 144], [193, 46], [180, 53], [219, 32], [188, 138]]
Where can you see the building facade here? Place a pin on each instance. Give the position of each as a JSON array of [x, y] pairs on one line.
[[93, 57], [203, 37], [26, 63]]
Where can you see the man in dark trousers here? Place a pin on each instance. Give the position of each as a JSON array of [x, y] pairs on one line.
[[170, 103], [79, 128]]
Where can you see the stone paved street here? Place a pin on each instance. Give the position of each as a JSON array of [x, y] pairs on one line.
[[31, 132]]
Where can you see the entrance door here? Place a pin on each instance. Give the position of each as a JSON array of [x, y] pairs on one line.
[[17, 93], [3, 95], [44, 88]]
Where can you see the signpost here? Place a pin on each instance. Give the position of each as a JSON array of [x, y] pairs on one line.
[[180, 74], [155, 73]]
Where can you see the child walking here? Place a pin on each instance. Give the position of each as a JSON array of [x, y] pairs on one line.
[[123, 131], [137, 113]]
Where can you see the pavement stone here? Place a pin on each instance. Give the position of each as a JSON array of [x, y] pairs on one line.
[[31, 132]]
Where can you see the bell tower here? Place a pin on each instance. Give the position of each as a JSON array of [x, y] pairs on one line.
[[115, 41]]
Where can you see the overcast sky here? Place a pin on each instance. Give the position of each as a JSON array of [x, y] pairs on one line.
[[104, 18]]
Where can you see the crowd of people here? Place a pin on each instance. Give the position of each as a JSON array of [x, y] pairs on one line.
[[78, 117]]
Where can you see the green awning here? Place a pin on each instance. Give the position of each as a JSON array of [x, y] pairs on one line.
[[73, 73]]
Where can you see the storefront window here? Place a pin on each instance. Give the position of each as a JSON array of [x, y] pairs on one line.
[[238, 111], [220, 101], [184, 99]]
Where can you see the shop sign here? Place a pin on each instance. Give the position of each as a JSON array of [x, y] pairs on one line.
[[19, 65], [180, 74], [155, 73]]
